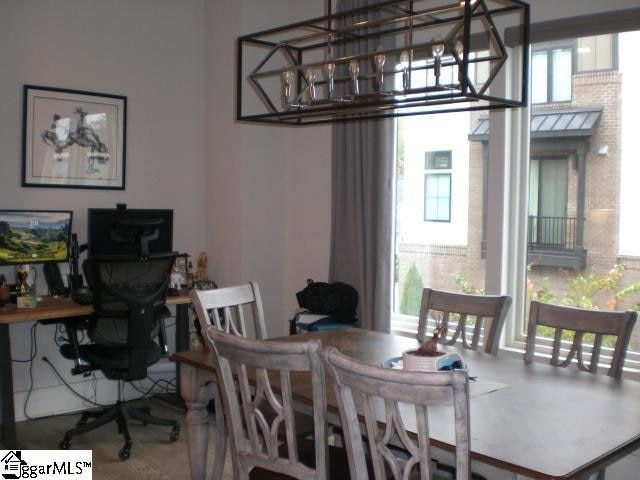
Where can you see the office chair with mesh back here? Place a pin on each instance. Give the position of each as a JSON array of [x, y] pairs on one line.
[[129, 304]]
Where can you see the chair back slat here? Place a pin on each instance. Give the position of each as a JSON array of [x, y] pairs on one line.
[[227, 308], [267, 365], [401, 399], [489, 312], [581, 322]]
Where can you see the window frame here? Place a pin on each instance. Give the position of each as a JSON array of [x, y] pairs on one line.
[[548, 48], [615, 62], [436, 171]]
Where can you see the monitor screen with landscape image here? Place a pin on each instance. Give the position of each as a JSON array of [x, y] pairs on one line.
[[34, 236]]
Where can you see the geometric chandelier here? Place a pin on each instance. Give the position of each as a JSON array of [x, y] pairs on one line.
[[388, 59]]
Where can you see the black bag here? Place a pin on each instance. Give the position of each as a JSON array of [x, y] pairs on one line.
[[338, 300]]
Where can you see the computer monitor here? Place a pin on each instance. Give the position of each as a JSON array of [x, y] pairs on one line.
[[116, 231], [34, 236]]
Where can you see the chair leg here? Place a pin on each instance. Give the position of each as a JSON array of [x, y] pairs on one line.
[[90, 414], [143, 415], [121, 419], [108, 416], [221, 437]]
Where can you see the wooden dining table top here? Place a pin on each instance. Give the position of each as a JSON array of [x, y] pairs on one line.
[[543, 422]]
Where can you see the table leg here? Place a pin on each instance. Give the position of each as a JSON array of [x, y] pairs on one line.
[[196, 396], [182, 334], [7, 413]]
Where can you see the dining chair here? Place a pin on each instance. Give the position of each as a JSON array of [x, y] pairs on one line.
[[481, 307], [236, 310], [398, 399], [232, 309], [581, 322], [253, 373], [228, 308]]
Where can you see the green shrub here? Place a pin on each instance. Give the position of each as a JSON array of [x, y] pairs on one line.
[[411, 292]]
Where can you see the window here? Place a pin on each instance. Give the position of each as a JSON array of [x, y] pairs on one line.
[[583, 229], [551, 75], [437, 187], [548, 222], [580, 216], [595, 53], [436, 184]]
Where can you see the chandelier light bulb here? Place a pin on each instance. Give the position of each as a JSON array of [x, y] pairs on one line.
[[311, 81], [404, 63], [379, 59], [438, 50], [459, 48], [354, 70], [404, 59], [287, 80], [330, 69]]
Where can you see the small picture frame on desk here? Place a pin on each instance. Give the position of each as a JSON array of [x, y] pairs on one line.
[[73, 139]]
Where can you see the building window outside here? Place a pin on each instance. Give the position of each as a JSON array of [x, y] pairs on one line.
[[437, 187], [551, 75], [595, 53], [548, 182]]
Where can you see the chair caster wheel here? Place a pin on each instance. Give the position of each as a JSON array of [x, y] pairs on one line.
[[125, 452], [65, 444], [175, 434]]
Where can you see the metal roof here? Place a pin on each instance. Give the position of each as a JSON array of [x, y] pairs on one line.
[[552, 122]]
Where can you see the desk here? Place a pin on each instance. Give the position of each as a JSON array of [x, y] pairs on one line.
[[55, 309], [547, 423]]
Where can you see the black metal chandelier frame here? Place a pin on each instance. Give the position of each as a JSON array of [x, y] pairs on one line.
[[353, 85]]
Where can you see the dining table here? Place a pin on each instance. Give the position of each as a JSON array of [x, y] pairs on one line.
[[528, 420]]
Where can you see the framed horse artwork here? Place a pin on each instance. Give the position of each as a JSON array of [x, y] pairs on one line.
[[73, 139]]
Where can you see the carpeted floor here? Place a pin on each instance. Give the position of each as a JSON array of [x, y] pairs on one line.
[[152, 455]]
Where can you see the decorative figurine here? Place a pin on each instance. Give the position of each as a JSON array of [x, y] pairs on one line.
[[176, 279], [22, 277], [201, 269]]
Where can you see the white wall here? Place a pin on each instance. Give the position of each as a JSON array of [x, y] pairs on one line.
[[268, 188], [148, 50], [432, 133]]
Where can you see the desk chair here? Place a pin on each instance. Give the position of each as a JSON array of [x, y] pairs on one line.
[[480, 307], [128, 300], [581, 322], [380, 395], [264, 446]]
